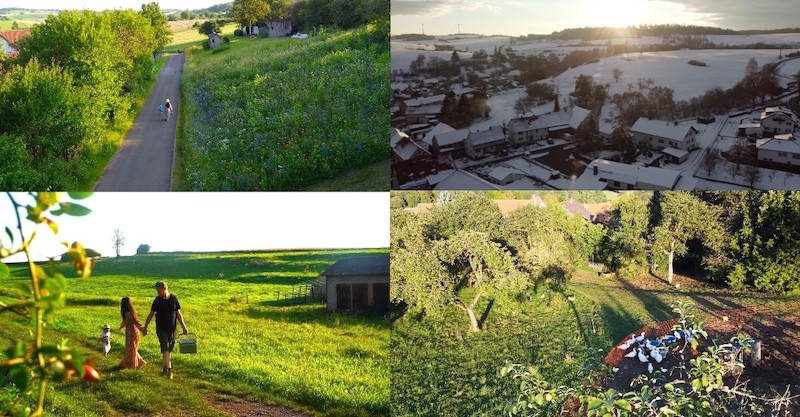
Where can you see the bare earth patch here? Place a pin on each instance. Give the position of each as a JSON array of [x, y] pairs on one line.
[[239, 407]]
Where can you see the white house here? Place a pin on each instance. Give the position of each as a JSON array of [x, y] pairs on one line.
[[603, 174], [784, 149], [504, 175], [214, 40], [528, 129], [659, 135], [452, 142], [778, 121], [479, 144]]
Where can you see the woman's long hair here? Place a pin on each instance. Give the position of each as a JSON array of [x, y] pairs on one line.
[[126, 306]]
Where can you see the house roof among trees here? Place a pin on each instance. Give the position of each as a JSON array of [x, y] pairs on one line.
[[360, 265], [780, 143], [662, 129], [13, 36]]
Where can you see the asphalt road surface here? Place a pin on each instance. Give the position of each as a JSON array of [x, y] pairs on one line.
[[143, 161]]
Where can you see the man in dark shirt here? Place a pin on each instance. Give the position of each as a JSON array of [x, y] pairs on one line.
[[167, 310]]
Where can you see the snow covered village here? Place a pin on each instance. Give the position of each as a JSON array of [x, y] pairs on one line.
[[653, 107]]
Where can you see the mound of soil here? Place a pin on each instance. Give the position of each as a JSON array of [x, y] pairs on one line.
[[239, 407], [780, 336]]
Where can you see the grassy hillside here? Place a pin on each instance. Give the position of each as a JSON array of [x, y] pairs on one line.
[[284, 114], [251, 346]]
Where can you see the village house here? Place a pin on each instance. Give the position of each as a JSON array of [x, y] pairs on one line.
[[357, 284], [603, 174], [551, 125], [9, 40], [452, 143], [778, 121], [783, 149], [482, 143], [410, 160], [422, 109], [659, 135]]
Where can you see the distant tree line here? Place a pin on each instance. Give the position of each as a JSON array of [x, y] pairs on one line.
[[465, 249]]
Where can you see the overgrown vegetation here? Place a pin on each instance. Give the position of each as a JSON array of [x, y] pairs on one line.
[[77, 77], [283, 114]]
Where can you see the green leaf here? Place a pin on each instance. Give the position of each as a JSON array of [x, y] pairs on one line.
[[79, 195], [71, 209], [622, 405], [697, 385], [5, 272], [20, 376], [10, 234], [594, 404]]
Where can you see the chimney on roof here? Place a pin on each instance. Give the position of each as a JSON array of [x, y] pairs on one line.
[[595, 170]]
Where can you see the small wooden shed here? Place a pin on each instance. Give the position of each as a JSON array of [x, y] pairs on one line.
[[279, 28], [214, 40], [358, 283]]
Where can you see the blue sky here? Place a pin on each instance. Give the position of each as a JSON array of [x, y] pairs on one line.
[[108, 4], [517, 17], [215, 221]]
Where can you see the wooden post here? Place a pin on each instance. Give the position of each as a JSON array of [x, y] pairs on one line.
[[755, 353]]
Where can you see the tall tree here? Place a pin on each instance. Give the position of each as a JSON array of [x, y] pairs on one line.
[[158, 21], [117, 240], [628, 246], [683, 216], [249, 11], [616, 73]]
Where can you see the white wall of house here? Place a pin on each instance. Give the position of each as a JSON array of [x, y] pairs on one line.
[[777, 124], [658, 143], [778, 156]]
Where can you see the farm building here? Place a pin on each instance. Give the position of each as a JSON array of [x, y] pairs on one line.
[[358, 283], [279, 28], [9, 40], [659, 135], [784, 149], [214, 40]]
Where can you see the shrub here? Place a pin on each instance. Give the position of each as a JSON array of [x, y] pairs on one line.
[[226, 40], [143, 249], [697, 63], [238, 32]]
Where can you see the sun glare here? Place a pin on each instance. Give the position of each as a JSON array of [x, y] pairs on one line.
[[619, 13]]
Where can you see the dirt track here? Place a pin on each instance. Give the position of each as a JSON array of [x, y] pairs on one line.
[[143, 161]]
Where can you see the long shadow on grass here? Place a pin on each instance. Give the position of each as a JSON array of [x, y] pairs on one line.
[[263, 279], [658, 309], [92, 302]]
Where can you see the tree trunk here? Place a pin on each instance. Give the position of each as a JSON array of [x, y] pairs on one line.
[[670, 257], [473, 321]]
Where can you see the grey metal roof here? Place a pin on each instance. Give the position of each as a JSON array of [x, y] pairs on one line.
[[360, 265]]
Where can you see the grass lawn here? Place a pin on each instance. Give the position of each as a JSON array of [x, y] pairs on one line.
[[251, 346], [184, 39], [373, 177], [438, 368]]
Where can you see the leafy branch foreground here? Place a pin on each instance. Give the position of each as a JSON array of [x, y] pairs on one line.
[[29, 365], [694, 389]]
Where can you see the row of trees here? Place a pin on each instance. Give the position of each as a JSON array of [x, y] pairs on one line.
[[309, 15], [460, 112], [464, 249], [76, 75]]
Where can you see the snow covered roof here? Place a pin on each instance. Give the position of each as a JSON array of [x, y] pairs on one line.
[[408, 148], [459, 180], [578, 115], [643, 178], [662, 129], [677, 153], [450, 137], [439, 128], [424, 101], [397, 136], [426, 109], [780, 143], [780, 113], [493, 134], [522, 184], [531, 168], [501, 173]]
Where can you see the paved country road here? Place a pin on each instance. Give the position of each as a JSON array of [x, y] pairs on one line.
[[143, 161]]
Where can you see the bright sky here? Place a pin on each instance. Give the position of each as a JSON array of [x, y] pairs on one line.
[[109, 4], [214, 222], [522, 17]]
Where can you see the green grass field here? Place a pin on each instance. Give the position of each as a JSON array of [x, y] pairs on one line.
[[285, 114], [251, 346], [184, 39], [439, 368]]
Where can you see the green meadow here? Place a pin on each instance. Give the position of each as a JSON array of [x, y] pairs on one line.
[[251, 345], [286, 114]]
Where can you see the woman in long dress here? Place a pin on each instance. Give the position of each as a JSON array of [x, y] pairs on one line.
[[130, 321]]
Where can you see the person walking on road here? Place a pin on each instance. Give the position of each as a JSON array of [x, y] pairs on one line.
[[168, 106], [167, 310]]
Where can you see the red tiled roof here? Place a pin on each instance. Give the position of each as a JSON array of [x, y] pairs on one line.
[[13, 36]]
